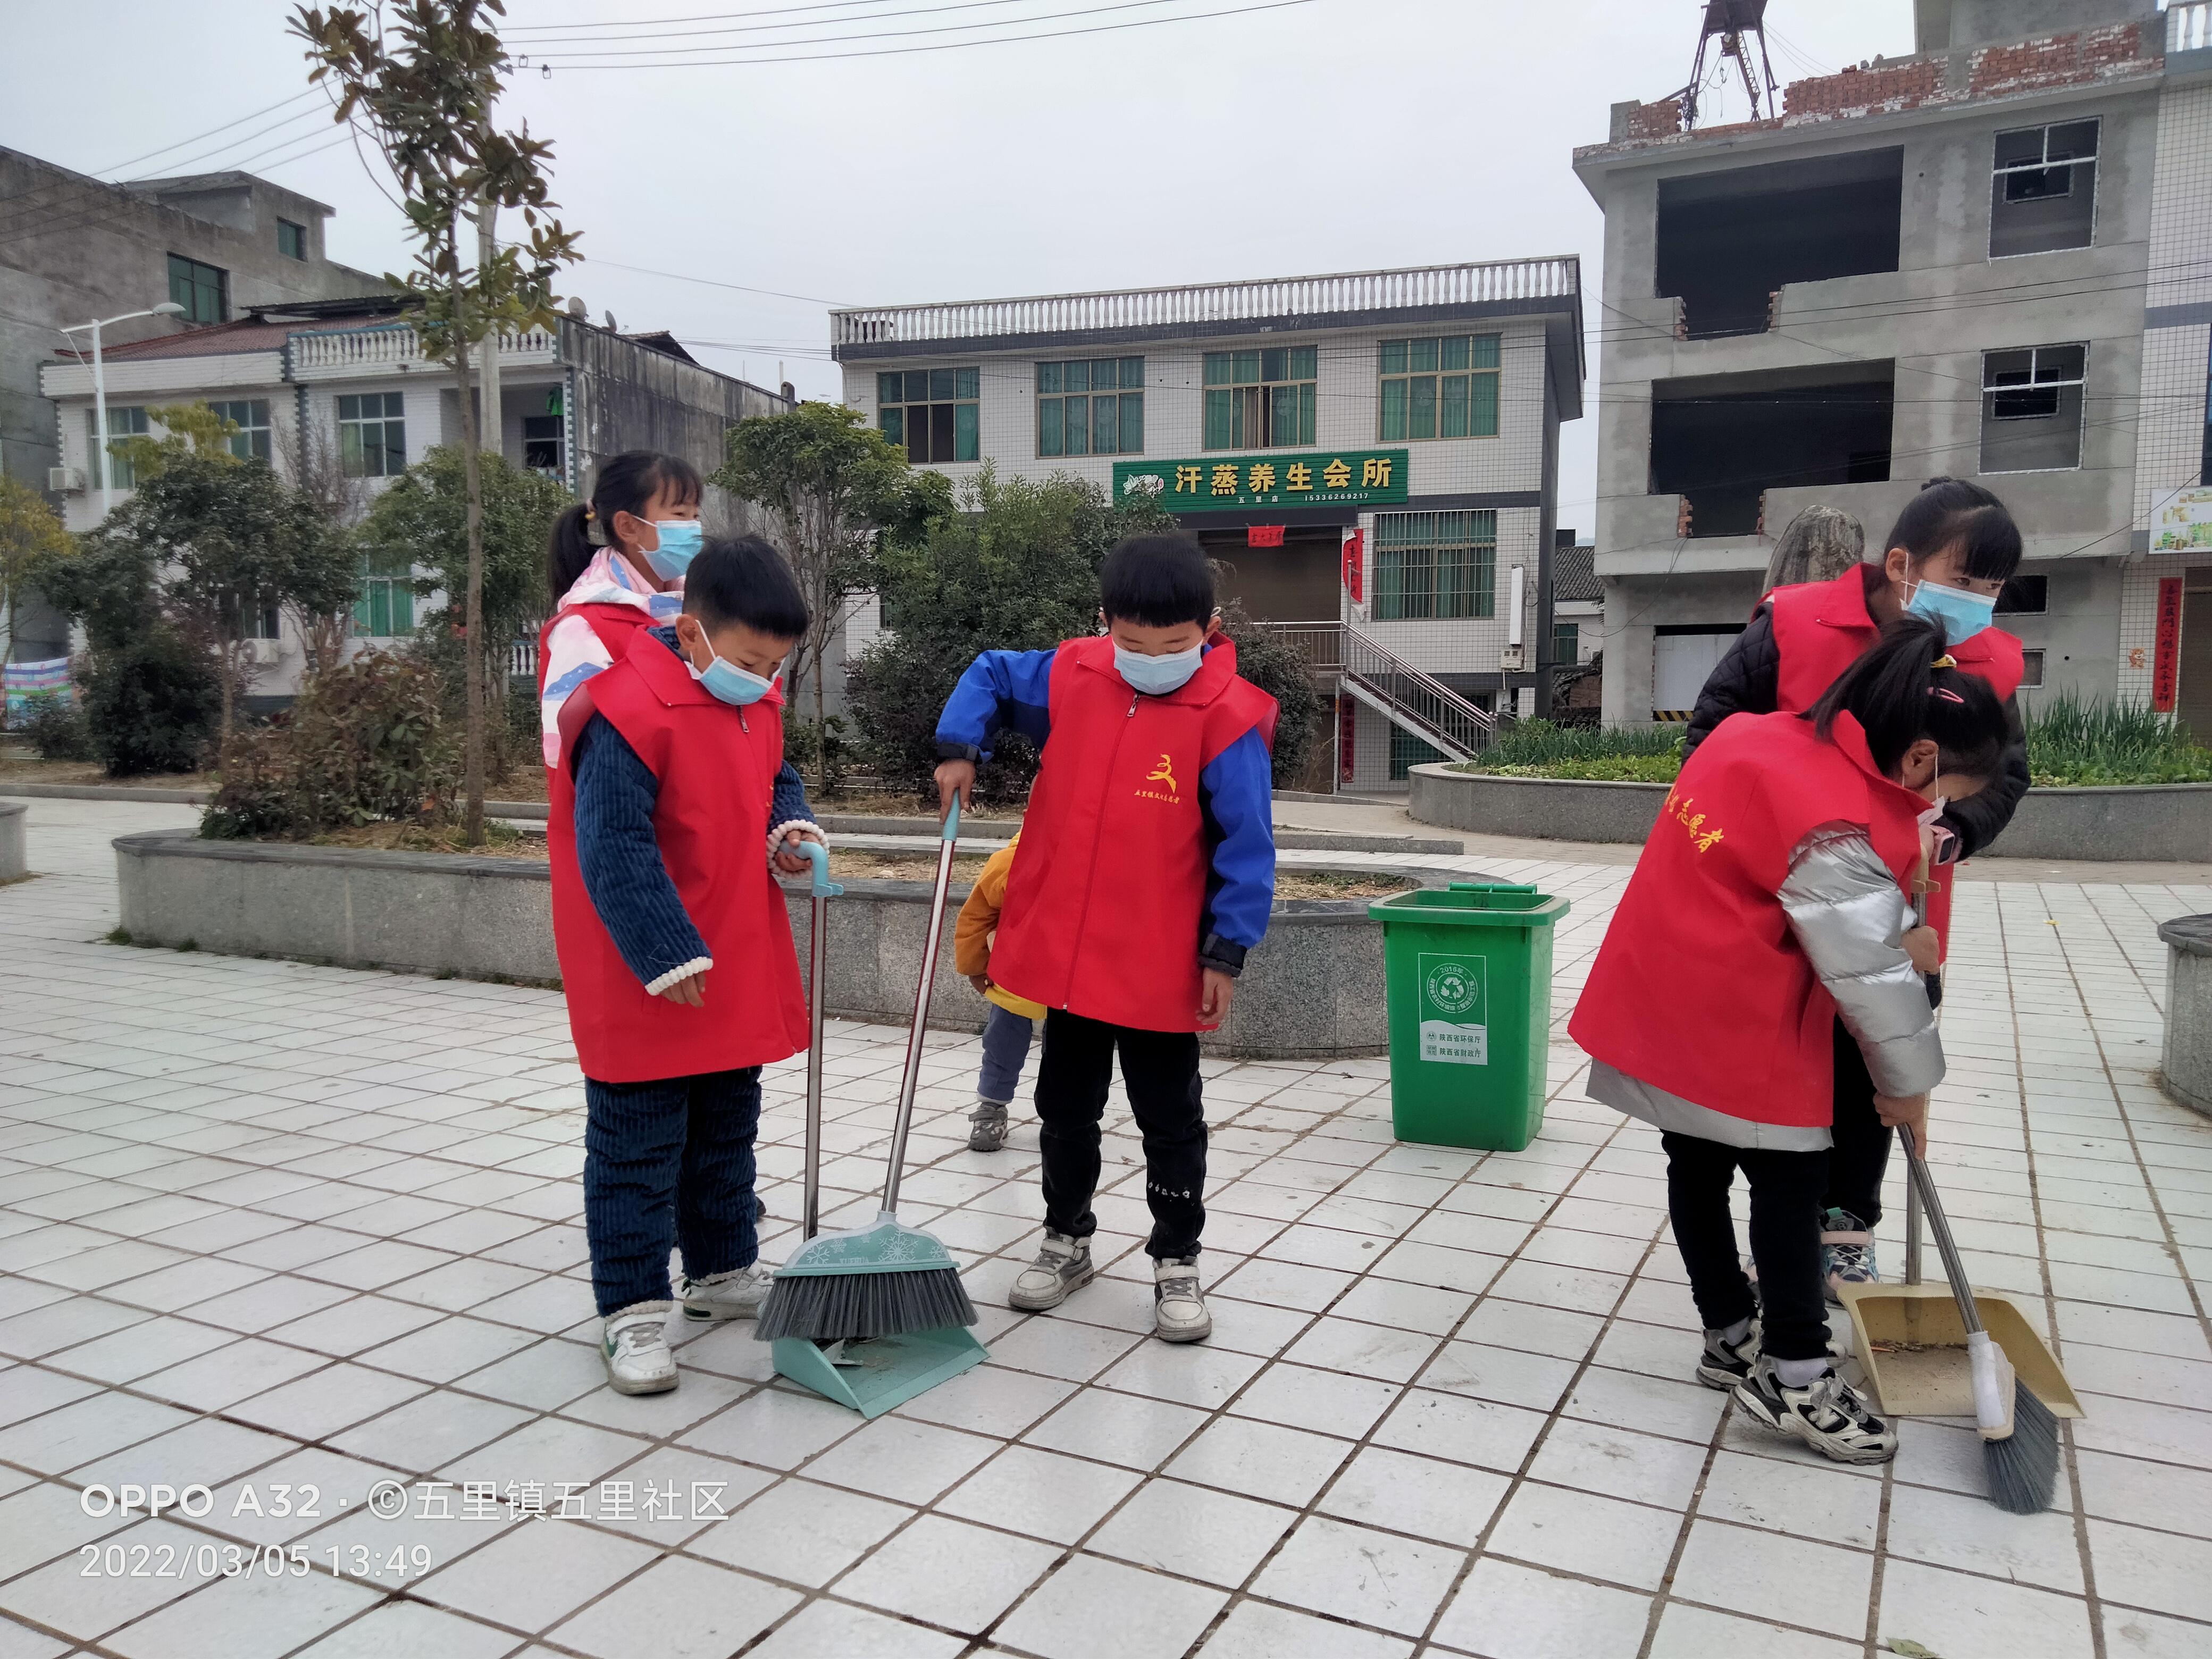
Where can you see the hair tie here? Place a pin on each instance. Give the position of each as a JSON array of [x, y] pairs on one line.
[[1944, 662], [1947, 696]]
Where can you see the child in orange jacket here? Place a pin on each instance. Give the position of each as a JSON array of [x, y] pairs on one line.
[[1006, 1035]]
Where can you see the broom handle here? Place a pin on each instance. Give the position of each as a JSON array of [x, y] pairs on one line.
[[912, 1074], [1953, 1269], [1920, 886], [823, 890]]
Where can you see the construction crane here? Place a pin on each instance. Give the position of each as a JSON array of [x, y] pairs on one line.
[[1730, 21]]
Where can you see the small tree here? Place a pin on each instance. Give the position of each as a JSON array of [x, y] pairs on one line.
[[426, 82], [308, 455], [30, 532], [832, 481]]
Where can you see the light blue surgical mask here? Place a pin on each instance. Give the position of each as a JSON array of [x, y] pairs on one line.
[[732, 684], [680, 541], [1158, 676], [1962, 613]]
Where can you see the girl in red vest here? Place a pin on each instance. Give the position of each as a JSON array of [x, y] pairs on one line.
[[675, 952], [1950, 555], [616, 567], [1146, 870], [1775, 883]]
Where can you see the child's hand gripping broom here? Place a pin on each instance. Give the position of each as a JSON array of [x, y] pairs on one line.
[[883, 1280]]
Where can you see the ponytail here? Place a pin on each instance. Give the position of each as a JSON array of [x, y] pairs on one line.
[[625, 483], [1898, 694]]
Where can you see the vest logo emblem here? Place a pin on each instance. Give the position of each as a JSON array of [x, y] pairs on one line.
[[1164, 773]]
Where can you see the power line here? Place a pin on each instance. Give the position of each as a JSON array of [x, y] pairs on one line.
[[528, 37], [878, 35], [718, 16]]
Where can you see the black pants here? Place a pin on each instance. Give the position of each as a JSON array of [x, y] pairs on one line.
[[1161, 1070], [1785, 1239], [1861, 1154]]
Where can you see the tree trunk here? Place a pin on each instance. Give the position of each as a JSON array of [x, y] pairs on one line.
[[228, 671], [472, 656], [821, 730]]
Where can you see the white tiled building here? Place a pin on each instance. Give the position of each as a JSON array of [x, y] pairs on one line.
[[1397, 429]]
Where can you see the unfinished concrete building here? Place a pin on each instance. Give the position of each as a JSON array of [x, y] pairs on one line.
[[1950, 262]]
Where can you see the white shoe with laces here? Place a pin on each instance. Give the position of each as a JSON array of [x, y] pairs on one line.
[[734, 1295], [1179, 1312], [635, 1346], [1062, 1266]]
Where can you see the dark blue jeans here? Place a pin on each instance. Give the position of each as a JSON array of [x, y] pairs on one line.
[[1005, 1049], [669, 1162]]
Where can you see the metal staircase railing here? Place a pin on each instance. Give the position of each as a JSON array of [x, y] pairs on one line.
[[1420, 704]]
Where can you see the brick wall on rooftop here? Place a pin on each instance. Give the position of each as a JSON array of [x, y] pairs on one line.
[[1899, 87]]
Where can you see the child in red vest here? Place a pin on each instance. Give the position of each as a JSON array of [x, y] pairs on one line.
[[616, 566], [675, 946], [1775, 883], [1145, 872], [1950, 555]]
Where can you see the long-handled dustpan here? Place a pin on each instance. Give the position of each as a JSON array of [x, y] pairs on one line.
[[843, 1347]]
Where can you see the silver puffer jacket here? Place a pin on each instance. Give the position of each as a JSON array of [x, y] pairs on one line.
[[1850, 918]]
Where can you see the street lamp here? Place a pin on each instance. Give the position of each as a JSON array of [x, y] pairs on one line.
[[168, 308]]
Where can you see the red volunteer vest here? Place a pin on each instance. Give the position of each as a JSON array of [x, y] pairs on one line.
[[1699, 988], [716, 766], [1107, 895], [1821, 627], [616, 625]]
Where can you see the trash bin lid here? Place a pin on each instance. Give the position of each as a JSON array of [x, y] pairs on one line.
[[1470, 904]]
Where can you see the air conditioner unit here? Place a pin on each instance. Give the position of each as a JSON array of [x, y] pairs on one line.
[[266, 654], [1512, 658], [64, 480]]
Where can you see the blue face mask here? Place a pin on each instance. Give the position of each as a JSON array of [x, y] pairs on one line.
[[732, 684], [1963, 615], [1158, 676], [680, 541]]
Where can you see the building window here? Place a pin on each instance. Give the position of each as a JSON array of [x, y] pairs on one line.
[[1262, 399], [121, 424], [291, 240], [385, 608], [1440, 388], [1408, 752], [1094, 408], [541, 444], [2043, 189], [262, 621], [2031, 672], [373, 434], [1566, 643], [1434, 566], [251, 416], [933, 411], [2024, 596], [2031, 409], [202, 291]]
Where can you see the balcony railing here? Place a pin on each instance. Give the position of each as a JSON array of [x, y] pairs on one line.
[[392, 345], [1156, 307], [1419, 703], [2189, 25]]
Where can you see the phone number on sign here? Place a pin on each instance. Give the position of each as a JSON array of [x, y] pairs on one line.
[[242, 1561]]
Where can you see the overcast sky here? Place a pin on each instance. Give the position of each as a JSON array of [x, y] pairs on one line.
[[1294, 140]]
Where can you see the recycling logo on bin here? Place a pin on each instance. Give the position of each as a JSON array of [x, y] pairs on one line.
[[1454, 1009]]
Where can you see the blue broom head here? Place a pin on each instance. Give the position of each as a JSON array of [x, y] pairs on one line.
[[884, 1246]]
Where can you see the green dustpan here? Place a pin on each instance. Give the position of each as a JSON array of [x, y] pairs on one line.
[[872, 1376]]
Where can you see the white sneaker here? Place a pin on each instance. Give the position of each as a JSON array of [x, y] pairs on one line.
[[1062, 1266], [634, 1344], [734, 1295], [1179, 1312]]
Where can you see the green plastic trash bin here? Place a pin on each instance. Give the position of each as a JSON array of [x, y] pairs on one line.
[[1468, 976]]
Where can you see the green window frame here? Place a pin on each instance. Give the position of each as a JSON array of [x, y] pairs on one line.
[[933, 413], [250, 442], [373, 434], [126, 423], [1441, 387], [292, 240], [1436, 567], [1093, 406], [202, 290], [1408, 752], [1566, 643], [385, 608], [1261, 398]]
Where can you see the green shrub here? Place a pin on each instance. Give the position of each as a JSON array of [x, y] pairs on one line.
[[799, 747], [364, 744], [152, 705], [2073, 742], [1540, 749], [59, 731], [1273, 663]]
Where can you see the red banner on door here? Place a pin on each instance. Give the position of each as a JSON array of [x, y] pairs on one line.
[[1263, 535], [2166, 650], [1347, 724], [1355, 565]]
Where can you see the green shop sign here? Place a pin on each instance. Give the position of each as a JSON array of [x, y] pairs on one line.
[[1224, 483]]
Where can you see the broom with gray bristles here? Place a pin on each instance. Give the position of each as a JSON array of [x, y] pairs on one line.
[[885, 1278], [2019, 1437]]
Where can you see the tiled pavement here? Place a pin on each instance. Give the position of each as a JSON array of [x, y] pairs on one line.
[[297, 1231]]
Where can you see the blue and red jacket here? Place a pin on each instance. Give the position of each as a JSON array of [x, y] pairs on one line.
[[1148, 851]]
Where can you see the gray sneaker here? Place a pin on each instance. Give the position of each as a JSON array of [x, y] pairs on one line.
[[633, 1343], [1846, 1255], [734, 1295], [1062, 1266], [1179, 1312], [986, 1127]]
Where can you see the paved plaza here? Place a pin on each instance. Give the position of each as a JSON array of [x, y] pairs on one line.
[[288, 1232]]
